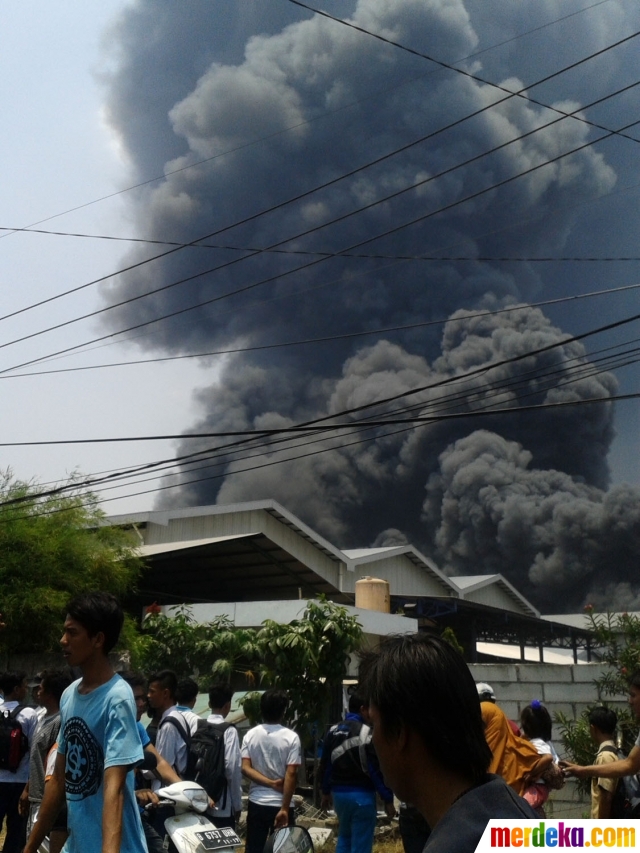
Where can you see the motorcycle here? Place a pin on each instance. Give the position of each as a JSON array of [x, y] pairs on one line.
[[189, 828]]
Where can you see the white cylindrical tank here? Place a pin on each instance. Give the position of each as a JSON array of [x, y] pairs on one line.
[[373, 594]]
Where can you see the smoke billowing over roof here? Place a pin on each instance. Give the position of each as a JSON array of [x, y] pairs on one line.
[[277, 101]]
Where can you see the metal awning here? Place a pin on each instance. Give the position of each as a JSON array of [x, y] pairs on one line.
[[239, 567]]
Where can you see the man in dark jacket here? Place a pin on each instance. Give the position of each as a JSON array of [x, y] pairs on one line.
[[429, 737], [349, 771]]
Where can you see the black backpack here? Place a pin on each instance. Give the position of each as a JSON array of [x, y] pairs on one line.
[[13, 741], [626, 798], [205, 757]]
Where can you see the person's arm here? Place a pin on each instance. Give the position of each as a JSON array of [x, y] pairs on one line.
[[52, 802], [541, 765], [164, 770], [256, 776], [115, 778], [628, 766], [233, 769], [23, 802], [290, 779]]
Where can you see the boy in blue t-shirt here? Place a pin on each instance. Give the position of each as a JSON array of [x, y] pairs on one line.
[[98, 742]]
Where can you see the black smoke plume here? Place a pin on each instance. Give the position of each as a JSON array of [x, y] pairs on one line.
[[277, 101]]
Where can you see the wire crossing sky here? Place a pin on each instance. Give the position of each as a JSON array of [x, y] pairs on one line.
[[300, 217]]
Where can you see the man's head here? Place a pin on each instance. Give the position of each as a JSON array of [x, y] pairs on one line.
[[220, 696], [138, 685], [423, 704], [187, 692], [273, 704], [356, 703], [93, 624], [53, 683], [14, 686], [161, 691], [485, 692], [602, 723]]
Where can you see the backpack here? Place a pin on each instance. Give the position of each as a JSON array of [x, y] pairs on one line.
[[13, 741], [205, 757], [626, 798]]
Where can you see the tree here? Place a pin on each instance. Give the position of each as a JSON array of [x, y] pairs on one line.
[[309, 658], [209, 651], [618, 640], [52, 547]]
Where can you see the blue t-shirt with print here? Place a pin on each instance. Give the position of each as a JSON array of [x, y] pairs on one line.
[[98, 730]]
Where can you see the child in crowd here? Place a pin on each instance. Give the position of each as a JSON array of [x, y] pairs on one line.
[[535, 722]]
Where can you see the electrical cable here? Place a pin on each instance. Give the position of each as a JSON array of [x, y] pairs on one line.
[[253, 285], [311, 120], [519, 93], [326, 254]]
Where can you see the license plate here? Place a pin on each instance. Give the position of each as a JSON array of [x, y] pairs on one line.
[[215, 839]]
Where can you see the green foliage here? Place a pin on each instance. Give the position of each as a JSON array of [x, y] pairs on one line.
[[309, 658], [618, 641], [53, 547], [450, 636], [578, 743], [251, 707], [211, 651]]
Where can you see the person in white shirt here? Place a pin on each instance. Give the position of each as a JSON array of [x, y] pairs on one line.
[[173, 735], [14, 687], [186, 696], [228, 809], [271, 755]]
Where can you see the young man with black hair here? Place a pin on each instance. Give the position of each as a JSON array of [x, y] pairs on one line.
[[602, 726], [271, 755], [350, 775], [98, 743], [172, 738], [186, 698], [228, 809], [628, 766], [429, 738], [52, 685], [14, 687], [153, 829]]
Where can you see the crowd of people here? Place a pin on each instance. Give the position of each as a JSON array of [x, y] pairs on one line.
[[418, 730]]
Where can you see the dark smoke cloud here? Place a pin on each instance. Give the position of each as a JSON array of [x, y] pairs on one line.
[[324, 99]]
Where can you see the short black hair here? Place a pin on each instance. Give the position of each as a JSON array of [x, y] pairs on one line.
[[167, 680], [536, 721], [98, 612], [603, 719], [55, 682], [421, 682], [634, 679], [356, 701], [134, 679], [219, 694], [273, 704], [10, 680], [186, 691]]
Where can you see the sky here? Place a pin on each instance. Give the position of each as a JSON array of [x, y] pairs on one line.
[[243, 106]]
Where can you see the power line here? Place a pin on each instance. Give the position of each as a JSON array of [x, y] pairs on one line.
[[329, 338], [326, 254], [312, 424], [510, 94], [278, 276], [468, 74], [311, 120]]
